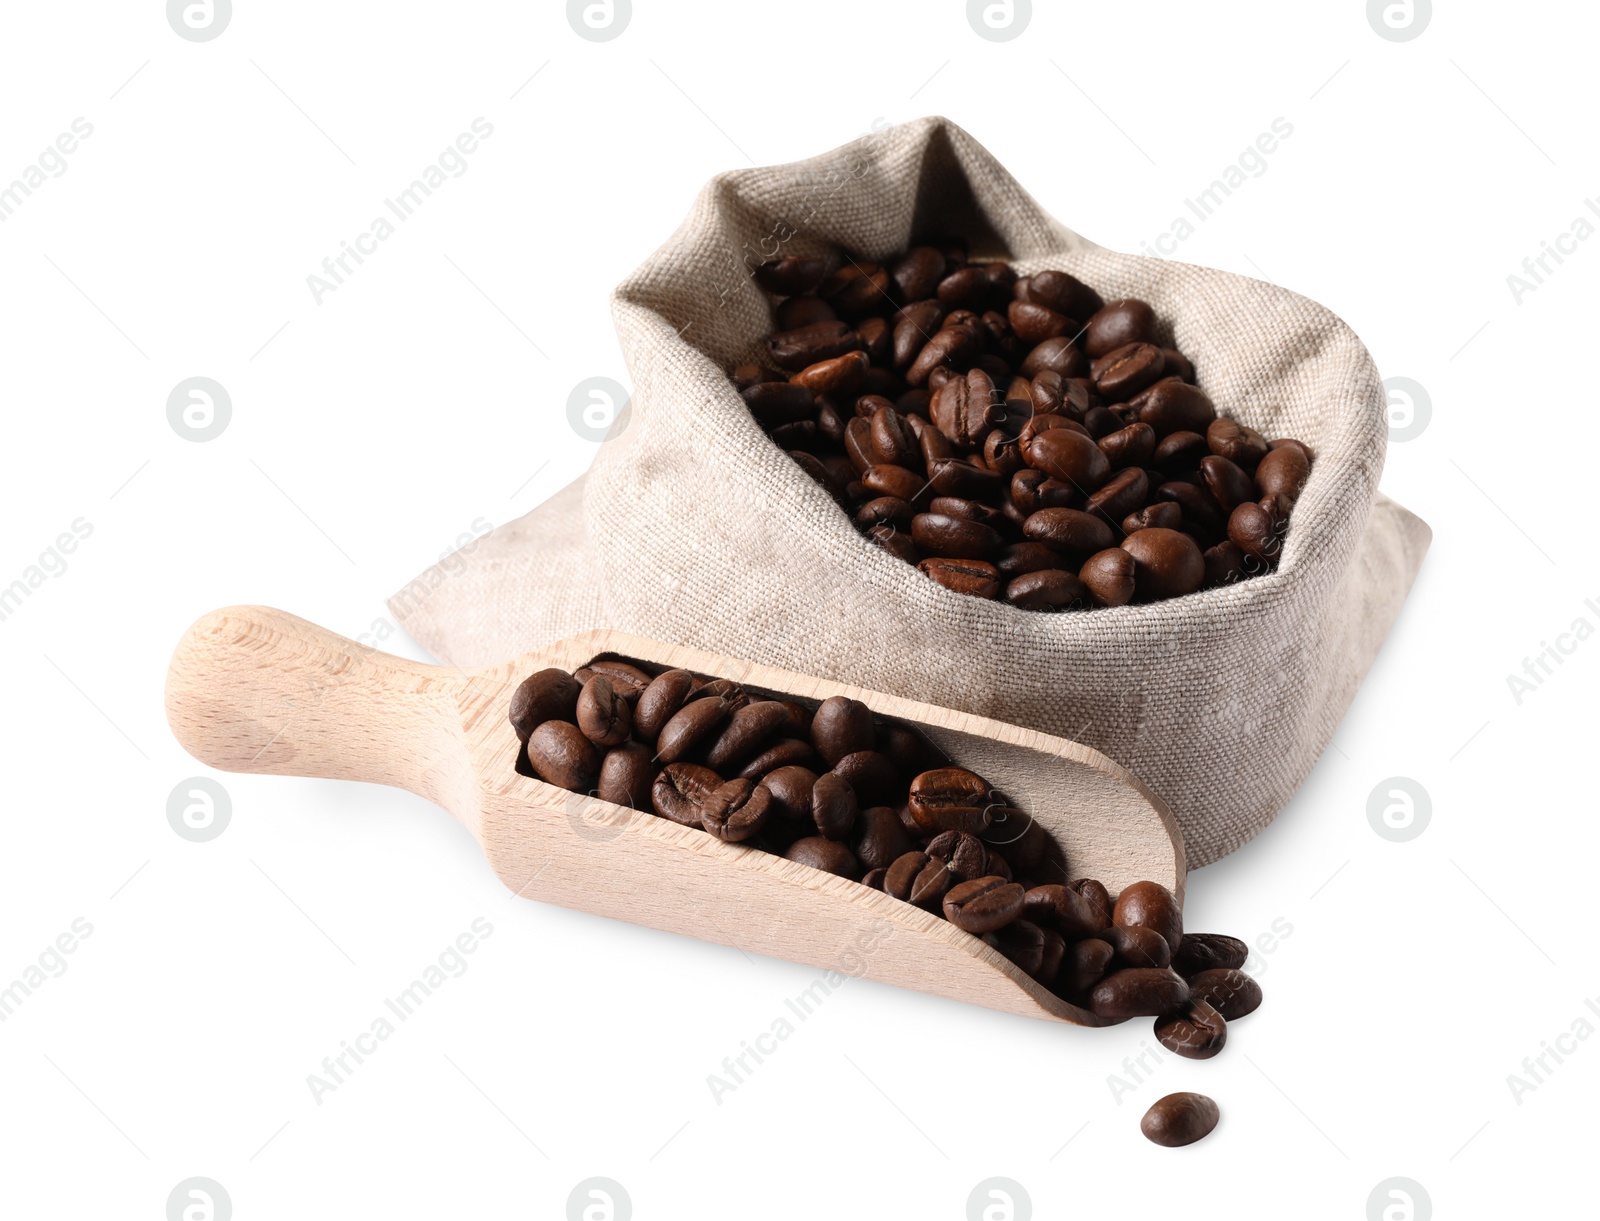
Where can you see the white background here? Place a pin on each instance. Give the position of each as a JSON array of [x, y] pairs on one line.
[[371, 431]]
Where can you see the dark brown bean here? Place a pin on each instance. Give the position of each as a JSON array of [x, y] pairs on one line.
[[841, 726], [1174, 406], [797, 312], [1229, 439], [871, 774], [1130, 446], [1068, 455], [1138, 947], [1163, 514], [1283, 473], [1180, 1119], [1139, 992], [1233, 993], [1167, 564], [950, 799], [1063, 909], [627, 679], [975, 578], [1178, 453], [681, 790], [806, 345], [857, 288], [626, 774], [1117, 324], [1252, 530], [1109, 576], [791, 787], [785, 752], [828, 855], [880, 838], [1096, 896], [791, 275], [983, 904], [1036, 951], [1208, 951], [891, 441], [1033, 323], [1196, 1031], [917, 272], [1061, 292], [1227, 482], [692, 725], [549, 695], [667, 693], [964, 853], [1224, 564], [839, 377], [1019, 559], [834, 806], [1123, 372], [1059, 355], [1069, 531], [562, 756], [1085, 965], [1049, 589], [1150, 905], [603, 715], [735, 811], [1120, 495], [747, 731]]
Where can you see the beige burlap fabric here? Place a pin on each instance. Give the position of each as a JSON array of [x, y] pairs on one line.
[[693, 528]]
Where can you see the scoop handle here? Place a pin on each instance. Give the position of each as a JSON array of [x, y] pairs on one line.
[[253, 689]]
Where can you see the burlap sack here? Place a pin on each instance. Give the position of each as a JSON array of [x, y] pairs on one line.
[[693, 528]]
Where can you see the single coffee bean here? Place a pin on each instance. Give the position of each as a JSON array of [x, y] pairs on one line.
[[950, 799], [885, 511], [916, 877], [1120, 496], [833, 806], [796, 312], [1097, 897], [917, 272], [895, 543], [681, 790], [1252, 530], [950, 346], [1233, 993], [1130, 446], [1180, 1119], [915, 326], [1033, 323], [1032, 490], [975, 578], [1123, 372], [790, 276], [1109, 577], [838, 377], [1283, 472], [966, 408], [1196, 1031], [1227, 482], [691, 726], [857, 288], [983, 904], [873, 878], [1023, 840], [1063, 909], [746, 732], [1178, 453], [953, 537], [1036, 951], [735, 811], [842, 726], [1069, 530], [871, 775], [782, 753], [1019, 559], [1174, 406], [549, 695], [626, 775], [897, 481], [1229, 439], [1059, 355], [891, 440], [1084, 966], [667, 692], [562, 756], [828, 855], [795, 350], [603, 715], [877, 341], [1068, 455], [1167, 564], [791, 788], [1139, 992], [1050, 589], [1208, 951], [1163, 514], [1150, 905], [1138, 947], [627, 679], [964, 853], [1199, 506], [880, 840], [1178, 364], [1117, 324], [1224, 564]]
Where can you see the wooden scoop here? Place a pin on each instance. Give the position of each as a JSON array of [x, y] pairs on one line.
[[252, 689]]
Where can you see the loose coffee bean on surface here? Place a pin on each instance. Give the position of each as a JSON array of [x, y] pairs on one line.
[[1180, 1119], [1150, 905], [1207, 951], [1233, 993], [1139, 992], [921, 378], [1196, 1031]]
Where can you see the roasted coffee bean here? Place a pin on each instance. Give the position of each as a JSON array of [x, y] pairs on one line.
[[1178, 364], [1109, 576], [1070, 456], [873, 777], [1208, 951], [857, 288], [841, 726], [1224, 564], [603, 715], [735, 811], [891, 439], [897, 481], [1036, 951], [949, 347], [1180, 1119], [1123, 372], [1178, 453], [1174, 406], [1098, 899], [691, 726], [791, 788], [788, 277], [916, 877], [746, 732], [1130, 446], [795, 350], [681, 790], [1123, 493], [1196, 1031], [1019, 559], [1049, 589], [1069, 531], [839, 377], [1283, 473], [950, 799], [784, 752], [1227, 482], [1064, 909], [873, 878], [549, 695], [975, 578], [745, 376], [1252, 530], [796, 312], [1022, 839], [1167, 564], [964, 853], [1118, 324], [1032, 490], [828, 855], [1199, 506], [626, 774], [1139, 992], [917, 272], [1150, 905], [916, 325], [1059, 355], [965, 409], [1138, 947], [1233, 993], [877, 340], [983, 904], [1033, 323], [561, 755], [1084, 966], [880, 839], [1242, 446], [834, 806], [885, 511], [895, 543], [627, 680], [1164, 514]]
